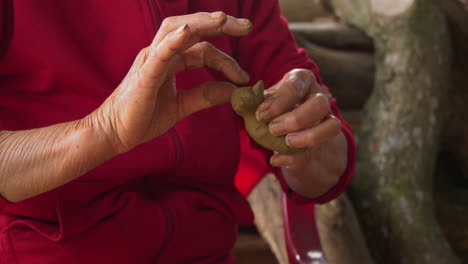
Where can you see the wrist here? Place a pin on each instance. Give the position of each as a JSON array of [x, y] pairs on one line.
[[91, 133], [38, 160], [321, 170]]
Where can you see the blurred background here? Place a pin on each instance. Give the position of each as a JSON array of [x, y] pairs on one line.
[[399, 71]]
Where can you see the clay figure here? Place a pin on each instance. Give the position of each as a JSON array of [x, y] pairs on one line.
[[245, 101]]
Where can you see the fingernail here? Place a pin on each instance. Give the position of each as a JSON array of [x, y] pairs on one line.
[[262, 111], [293, 139], [264, 106], [248, 24], [244, 21], [276, 127], [217, 15], [324, 97], [279, 161], [259, 116], [182, 28], [262, 116], [245, 76]]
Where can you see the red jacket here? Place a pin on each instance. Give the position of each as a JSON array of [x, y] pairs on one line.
[[171, 200]]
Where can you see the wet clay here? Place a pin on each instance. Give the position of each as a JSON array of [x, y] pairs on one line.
[[245, 102]]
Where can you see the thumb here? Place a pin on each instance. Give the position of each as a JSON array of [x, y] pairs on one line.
[[204, 96]]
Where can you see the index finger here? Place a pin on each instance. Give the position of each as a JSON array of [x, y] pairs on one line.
[[206, 25]]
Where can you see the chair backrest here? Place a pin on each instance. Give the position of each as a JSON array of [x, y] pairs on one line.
[[301, 233]]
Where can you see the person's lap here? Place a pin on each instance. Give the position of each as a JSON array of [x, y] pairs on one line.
[[181, 227]]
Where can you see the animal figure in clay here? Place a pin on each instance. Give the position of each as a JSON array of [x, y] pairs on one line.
[[245, 101]]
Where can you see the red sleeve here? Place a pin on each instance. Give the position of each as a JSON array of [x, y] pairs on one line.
[[3, 203], [268, 53]]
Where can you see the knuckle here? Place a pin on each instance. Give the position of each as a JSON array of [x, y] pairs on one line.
[[226, 60], [298, 122], [310, 138], [304, 74], [198, 57], [142, 52], [203, 50], [151, 51], [221, 17], [297, 85], [224, 64], [205, 45], [142, 56], [192, 58], [168, 21]]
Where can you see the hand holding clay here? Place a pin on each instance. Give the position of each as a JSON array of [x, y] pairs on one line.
[[293, 117], [245, 102]]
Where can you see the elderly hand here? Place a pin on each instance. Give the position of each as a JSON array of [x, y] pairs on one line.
[[299, 108], [146, 104]]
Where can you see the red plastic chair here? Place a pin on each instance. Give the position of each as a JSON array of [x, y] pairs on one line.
[[301, 233]]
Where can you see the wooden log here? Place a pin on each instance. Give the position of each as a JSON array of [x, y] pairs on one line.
[[340, 233], [399, 137], [265, 200], [349, 74], [332, 34], [300, 10]]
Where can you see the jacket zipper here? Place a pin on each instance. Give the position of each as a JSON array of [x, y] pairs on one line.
[[156, 20], [179, 149]]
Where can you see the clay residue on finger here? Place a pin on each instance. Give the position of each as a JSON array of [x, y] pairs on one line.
[[245, 102]]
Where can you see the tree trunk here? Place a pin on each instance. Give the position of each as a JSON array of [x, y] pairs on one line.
[[399, 137]]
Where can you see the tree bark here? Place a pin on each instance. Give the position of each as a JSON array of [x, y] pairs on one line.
[[399, 137]]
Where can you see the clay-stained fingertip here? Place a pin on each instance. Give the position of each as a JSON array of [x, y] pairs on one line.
[[249, 26], [244, 77]]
